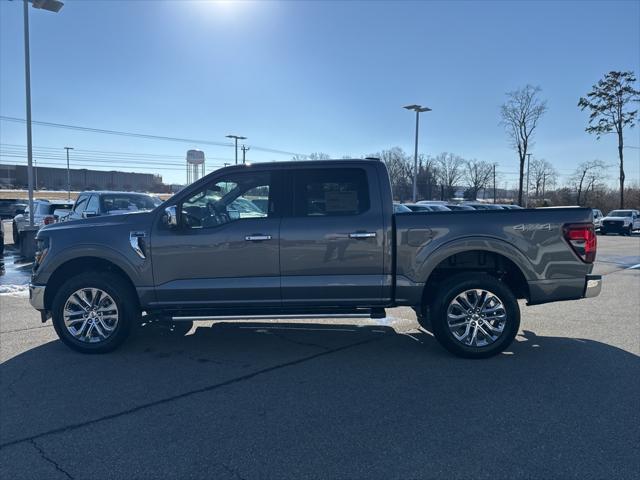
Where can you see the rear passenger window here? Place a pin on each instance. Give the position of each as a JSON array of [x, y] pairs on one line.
[[330, 192]]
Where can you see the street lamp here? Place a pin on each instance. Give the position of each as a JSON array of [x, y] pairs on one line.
[[236, 138], [418, 109], [52, 6]]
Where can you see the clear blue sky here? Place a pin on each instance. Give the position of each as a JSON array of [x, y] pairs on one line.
[[315, 76]]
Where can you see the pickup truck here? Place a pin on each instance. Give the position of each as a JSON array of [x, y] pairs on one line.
[[321, 240]]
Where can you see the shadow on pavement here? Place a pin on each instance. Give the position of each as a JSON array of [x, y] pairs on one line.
[[263, 400]]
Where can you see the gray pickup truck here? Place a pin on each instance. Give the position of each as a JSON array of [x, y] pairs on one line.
[[308, 239]]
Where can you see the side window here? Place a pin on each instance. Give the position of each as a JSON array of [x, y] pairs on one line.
[[235, 197], [94, 204], [81, 204], [330, 192]]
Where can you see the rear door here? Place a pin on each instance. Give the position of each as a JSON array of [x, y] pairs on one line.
[[331, 241]]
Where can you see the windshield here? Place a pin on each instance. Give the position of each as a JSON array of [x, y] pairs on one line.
[[112, 202], [620, 213]]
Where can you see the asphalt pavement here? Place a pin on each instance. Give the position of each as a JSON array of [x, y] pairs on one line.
[[328, 399]]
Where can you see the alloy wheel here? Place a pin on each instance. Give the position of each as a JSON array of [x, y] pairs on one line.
[[476, 318], [90, 315]]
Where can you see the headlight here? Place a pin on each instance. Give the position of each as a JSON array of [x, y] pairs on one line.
[[42, 248]]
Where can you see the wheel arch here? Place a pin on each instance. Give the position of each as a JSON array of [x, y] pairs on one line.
[[78, 265], [476, 260]]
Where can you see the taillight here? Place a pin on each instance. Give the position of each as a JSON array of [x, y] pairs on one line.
[[49, 220], [583, 240]]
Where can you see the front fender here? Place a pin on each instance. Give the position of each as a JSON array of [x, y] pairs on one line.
[[137, 269]]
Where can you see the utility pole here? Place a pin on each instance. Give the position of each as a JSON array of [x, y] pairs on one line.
[[236, 138], [526, 202], [68, 174], [544, 180], [494, 183], [418, 109], [244, 149]]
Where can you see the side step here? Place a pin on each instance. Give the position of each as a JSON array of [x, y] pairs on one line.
[[374, 313]]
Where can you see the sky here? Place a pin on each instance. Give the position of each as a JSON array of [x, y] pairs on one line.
[[309, 76]]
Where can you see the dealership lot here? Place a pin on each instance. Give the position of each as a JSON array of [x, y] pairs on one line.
[[380, 399]]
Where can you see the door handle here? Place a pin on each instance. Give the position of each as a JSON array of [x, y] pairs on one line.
[[361, 235], [257, 238]]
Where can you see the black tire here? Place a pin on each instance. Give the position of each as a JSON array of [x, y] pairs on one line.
[[630, 230], [458, 284], [123, 297], [15, 234]]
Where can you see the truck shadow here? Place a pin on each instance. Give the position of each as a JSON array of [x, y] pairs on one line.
[[551, 405]]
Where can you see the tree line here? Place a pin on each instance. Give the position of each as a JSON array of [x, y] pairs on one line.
[[611, 104]]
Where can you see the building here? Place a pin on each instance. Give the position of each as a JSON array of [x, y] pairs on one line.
[[15, 176]]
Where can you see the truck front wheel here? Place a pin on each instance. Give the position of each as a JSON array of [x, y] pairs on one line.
[[474, 315], [94, 312]]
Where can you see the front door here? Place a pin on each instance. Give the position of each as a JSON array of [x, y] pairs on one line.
[[225, 250], [331, 243]]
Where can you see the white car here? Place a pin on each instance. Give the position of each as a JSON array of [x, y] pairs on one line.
[[597, 219], [622, 222], [43, 214]]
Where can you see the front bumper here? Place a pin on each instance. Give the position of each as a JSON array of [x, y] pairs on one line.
[[36, 296], [593, 286]]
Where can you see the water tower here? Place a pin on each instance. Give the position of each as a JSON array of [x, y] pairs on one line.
[[195, 165]]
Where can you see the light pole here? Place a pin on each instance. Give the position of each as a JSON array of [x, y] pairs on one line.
[[236, 138], [526, 202], [418, 109], [52, 6], [68, 174]]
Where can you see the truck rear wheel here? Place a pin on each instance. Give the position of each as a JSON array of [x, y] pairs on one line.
[[474, 315], [94, 312]]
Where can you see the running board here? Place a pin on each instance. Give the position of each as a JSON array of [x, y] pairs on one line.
[[378, 313]]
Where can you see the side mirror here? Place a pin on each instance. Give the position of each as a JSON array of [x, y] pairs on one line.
[[89, 213], [170, 217]]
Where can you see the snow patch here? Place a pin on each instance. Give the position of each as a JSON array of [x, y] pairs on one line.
[[15, 290]]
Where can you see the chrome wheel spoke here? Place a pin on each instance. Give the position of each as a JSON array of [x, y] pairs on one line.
[[90, 315], [476, 318]]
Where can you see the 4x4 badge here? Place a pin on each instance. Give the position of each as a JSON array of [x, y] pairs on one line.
[[532, 227]]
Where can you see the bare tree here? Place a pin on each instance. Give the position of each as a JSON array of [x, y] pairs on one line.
[[400, 171], [542, 176], [427, 176], [450, 172], [476, 176], [587, 176], [609, 101], [520, 116]]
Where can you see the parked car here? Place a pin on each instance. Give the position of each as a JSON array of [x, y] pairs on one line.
[[10, 207], [329, 244], [597, 219], [43, 214], [622, 222], [426, 207], [457, 206], [508, 206], [98, 203], [483, 206], [1, 238], [400, 208]]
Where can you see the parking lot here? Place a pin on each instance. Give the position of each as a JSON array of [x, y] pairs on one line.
[[379, 399]]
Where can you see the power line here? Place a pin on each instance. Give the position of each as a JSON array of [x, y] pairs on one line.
[[142, 135]]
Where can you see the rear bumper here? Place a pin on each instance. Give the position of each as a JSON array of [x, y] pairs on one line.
[[545, 291], [593, 286]]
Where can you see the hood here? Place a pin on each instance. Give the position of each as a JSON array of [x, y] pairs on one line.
[[139, 220], [619, 219]]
